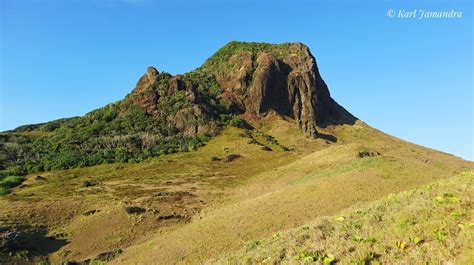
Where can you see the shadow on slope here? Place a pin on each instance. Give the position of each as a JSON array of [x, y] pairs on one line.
[[26, 243]]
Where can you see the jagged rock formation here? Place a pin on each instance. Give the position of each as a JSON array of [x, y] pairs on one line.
[[253, 78]]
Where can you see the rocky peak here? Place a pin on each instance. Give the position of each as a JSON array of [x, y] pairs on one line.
[[251, 79], [148, 79], [259, 77]]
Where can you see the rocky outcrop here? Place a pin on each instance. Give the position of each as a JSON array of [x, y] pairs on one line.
[[142, 95], [289, 84], [148, 79], [254, 79]]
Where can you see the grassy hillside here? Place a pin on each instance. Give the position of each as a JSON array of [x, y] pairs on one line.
[[198, 205], [429, 225], [320, 182]]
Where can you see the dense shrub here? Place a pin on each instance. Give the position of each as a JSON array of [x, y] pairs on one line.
[[232, 120], [6, 183], [73, 150]]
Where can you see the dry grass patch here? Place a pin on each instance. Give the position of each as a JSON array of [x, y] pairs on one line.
[[426, 225]]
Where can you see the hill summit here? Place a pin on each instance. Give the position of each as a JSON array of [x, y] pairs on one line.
[[245, 78]]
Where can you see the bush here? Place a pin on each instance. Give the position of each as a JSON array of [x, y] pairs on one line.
[[9, 182], [232, 120]]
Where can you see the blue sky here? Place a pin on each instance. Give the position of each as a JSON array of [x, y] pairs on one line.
[[410, 78]]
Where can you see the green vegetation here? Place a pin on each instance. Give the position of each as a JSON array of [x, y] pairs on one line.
[[205, 83], [6, 183], [219, 61], [105, 135], [232, 120], [426, 225], [93, 140]]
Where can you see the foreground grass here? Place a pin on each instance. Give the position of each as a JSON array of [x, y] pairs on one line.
[[57, 200], [423, 226]]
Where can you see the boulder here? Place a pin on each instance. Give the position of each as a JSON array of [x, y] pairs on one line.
[[109, 255], [134, 210], [232, 157], [186, 121], [215, 158], [266, 148]]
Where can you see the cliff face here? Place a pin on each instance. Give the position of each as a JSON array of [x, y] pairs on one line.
[[248, 78]]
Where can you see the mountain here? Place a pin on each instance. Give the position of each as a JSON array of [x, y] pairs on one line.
[[187, 168], [245, 78], [165, 113]]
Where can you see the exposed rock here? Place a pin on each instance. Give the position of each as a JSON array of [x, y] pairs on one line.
[[284, 148], [163, 194], [109, 255], [186, 121], [134, 210], [268, 87], [266, 148], [232, 157], [276, 78], [88, 183], [177, 83], [144, 94], [236, 80], [289, 85], [170, 216], [368, 153], [84, 262], [231, 102], [148, 79], [215, 158], [90, 212]]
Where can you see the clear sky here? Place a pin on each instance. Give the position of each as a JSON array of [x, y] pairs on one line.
[[408, 77]]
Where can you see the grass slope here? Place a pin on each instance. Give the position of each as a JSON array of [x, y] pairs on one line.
[[197, 209], [320, 183], [429, 225]]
